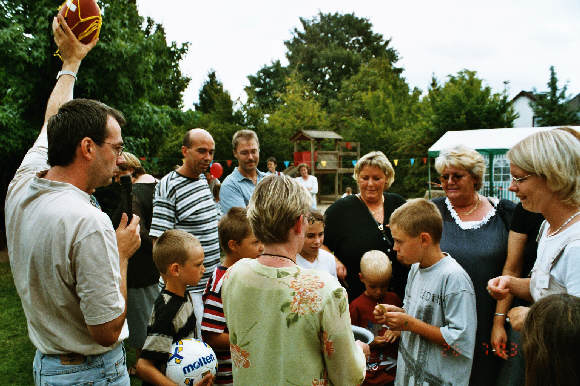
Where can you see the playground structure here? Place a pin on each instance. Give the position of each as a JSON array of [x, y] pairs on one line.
[[326, 161]]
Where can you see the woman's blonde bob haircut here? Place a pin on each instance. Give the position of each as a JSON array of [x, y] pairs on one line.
[[555, 156], [463, 157], [275, 206], [379, 160]]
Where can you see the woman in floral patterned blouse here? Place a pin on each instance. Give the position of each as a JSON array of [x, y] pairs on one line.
[[287, 325]]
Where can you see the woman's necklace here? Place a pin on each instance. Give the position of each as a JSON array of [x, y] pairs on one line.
[[273, 255], [472, 209], [565, 223]]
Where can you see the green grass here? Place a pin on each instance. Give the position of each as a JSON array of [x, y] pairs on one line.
[[16, 351]]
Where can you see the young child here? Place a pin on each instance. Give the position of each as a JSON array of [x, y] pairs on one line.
[[312, 256], [238, 242], [375, 273], [178, 256], [437, 321]]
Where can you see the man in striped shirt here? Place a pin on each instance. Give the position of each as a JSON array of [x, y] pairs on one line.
[[183, 201]]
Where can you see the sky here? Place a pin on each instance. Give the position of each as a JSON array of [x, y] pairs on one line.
[[511, 40]]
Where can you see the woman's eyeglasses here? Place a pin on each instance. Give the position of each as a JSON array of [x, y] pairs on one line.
[[455, 177], [517, 180]]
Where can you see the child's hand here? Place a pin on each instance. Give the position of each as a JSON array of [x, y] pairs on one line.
[[391, 336], [382, 309]]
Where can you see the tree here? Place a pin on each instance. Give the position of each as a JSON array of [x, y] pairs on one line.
[[331, 48], [551, 107], [213, 99], [299, 111], [464, 103], [266, 87]]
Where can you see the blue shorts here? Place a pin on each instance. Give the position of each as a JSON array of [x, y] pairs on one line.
[[109, 368]]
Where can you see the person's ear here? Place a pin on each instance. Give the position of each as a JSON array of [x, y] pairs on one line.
[[184, 150], [425, 239], [299, 226], [173, 269], [360, 276], [87, 148], [233, 245]]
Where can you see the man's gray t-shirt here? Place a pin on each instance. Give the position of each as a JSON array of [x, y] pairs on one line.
[[441, 295]]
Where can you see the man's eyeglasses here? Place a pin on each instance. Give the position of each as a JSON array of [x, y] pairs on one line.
[[118, 149], [517, 180], [455, 177]]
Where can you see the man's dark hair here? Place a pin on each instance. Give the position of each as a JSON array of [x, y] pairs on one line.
[[74, 121], [272, 159]]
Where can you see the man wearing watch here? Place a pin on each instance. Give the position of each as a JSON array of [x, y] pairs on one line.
[[69, 264]]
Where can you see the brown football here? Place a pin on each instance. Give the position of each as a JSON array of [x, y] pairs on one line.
[[83, 17]]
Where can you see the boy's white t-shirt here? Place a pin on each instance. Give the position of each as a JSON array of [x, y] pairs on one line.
[[324, 262], [441, 295]]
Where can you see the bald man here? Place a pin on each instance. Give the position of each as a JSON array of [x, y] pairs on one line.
[[184, 201]]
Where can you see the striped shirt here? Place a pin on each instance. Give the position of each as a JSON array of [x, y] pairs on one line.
[[214, 321], [172, 319], [187, 204]]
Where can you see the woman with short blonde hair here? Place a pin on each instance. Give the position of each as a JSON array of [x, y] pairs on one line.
[[358, 223], [475, 234], [287, 325]]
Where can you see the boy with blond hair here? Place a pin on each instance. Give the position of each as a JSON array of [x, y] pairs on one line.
[[437, 321], [178, 256], [375, 273], [237, 241]]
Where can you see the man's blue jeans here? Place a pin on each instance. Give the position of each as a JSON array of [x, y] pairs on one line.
[[106, 369]]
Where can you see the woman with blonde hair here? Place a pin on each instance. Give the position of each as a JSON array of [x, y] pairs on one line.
[[475, 233], [358, 223], [545, 170], [287, 325]]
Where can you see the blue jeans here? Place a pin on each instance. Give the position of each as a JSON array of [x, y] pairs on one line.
[[106, 369]]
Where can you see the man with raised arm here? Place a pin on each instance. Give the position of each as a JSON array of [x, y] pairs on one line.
[[69, 264]]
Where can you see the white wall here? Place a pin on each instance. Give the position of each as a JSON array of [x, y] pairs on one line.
[[522, 106]]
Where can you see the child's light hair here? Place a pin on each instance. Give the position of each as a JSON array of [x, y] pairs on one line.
[[376, 264], [234, 225], [173, 247], [417, 216]]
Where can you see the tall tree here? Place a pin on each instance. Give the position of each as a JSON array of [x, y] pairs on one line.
[[551, 107], [266, 87], [213, 99], [331, 48], [464, 103]]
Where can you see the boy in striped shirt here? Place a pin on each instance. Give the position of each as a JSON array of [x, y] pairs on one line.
[[237, 241]]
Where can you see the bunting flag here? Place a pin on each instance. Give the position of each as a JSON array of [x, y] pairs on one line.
[[229, 162], [396, 162], [424, 160], [286, 163], [353, 163], [323, 163], [143, 158], [412, 161]]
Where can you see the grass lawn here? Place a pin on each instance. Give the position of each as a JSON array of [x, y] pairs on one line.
[[15, 347]]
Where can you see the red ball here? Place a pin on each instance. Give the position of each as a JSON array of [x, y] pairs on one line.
[[216, 169], [83, 17]]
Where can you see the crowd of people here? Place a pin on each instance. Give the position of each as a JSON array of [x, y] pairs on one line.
[[102, 252]]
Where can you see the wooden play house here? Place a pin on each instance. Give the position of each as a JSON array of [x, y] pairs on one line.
[[322, 160]]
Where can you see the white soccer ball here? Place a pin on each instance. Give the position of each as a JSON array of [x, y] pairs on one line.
[[189, 361]]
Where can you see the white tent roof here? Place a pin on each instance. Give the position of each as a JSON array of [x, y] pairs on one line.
[[486, 139]]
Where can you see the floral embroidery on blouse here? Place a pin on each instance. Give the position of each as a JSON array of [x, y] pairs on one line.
[[327, 345], [240, 357], [305, 298]]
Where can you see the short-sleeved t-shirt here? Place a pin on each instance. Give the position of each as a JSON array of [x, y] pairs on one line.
[[324, 262], [172, 319], [527, 223], [187, 203]]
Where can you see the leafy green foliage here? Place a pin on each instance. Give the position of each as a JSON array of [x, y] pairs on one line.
[[551, 108], [331, 48], [464, 103]]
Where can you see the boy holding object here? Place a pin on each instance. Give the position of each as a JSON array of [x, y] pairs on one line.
[[178, 256], [437, 321], [375, 273]]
